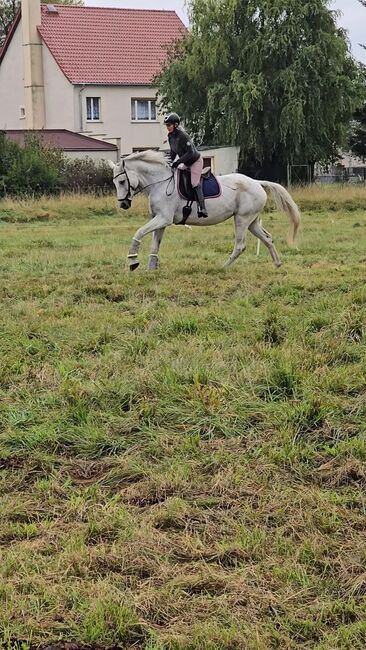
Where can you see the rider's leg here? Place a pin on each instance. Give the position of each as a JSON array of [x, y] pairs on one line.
[[196, 171], [202, 212]]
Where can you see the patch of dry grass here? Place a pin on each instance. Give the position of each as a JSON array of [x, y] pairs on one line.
[[331, 197]]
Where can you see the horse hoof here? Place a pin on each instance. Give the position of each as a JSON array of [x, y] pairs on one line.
[[134, 266]]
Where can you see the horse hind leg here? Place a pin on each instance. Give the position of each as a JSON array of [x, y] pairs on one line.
[[241, 226], [264, 236]]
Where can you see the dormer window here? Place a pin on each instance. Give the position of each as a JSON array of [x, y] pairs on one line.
[[93, 109]]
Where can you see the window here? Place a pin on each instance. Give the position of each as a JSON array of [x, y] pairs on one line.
[[22, 112], [143, 110], [93, 109], [208, 162]]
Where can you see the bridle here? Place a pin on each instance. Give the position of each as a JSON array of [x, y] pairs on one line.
[[129, 186], [136, 190]]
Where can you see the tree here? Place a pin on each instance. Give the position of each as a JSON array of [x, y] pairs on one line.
[[273, 76], [363, 2], [358, 135], [9, 8]]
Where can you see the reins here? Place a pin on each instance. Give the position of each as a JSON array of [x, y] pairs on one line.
[[141, 189]]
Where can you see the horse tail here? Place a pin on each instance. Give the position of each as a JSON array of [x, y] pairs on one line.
[[285, 203]]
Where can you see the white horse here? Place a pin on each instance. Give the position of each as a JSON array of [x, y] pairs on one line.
[[241, 197]]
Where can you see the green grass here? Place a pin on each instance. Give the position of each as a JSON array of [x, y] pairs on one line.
[[182, 453]]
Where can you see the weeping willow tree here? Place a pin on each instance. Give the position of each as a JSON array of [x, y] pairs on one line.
[[275, 77], [358, 135]]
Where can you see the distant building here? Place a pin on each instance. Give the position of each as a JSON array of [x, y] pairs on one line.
[[221, 159], [348, 169], [354, 167], [86, 70], [73, 145]]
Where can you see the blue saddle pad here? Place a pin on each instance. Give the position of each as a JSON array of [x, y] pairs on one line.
[[210, 186]]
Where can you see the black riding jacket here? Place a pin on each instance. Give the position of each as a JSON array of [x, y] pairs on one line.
[[182, 146]]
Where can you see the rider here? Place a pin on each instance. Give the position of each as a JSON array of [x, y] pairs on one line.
[[182, 146]]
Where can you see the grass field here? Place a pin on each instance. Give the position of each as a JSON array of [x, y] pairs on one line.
[[182, 454]]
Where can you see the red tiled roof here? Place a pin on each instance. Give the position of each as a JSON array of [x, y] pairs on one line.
[[94, 45], [62, 139]]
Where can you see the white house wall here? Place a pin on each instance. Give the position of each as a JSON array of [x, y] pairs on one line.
[[59, 95], [225, 159], [12, 84], [115, 124]]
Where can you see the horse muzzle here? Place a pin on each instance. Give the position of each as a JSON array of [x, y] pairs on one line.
[[125, 204]]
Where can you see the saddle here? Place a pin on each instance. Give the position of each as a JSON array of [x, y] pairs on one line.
[[210, 185]]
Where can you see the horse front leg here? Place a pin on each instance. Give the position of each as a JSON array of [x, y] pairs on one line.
[[153, 262], [159, 222]]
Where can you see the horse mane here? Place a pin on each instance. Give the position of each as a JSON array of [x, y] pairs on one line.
[[148, 156]]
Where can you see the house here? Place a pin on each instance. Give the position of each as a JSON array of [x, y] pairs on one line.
[[73, 145], [87, 70], [75, 75], [222, 159], [354, 168], [348, 169]]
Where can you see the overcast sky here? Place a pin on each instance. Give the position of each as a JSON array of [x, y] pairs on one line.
[[353, 16]]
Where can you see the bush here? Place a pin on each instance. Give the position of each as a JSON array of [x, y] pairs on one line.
[[38, 169], [86, 175], [8, 152], [32, 170]]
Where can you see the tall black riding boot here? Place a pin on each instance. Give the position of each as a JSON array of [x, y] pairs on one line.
[[202, 212]]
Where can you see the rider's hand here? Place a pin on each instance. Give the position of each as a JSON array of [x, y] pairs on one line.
[[175, 164]]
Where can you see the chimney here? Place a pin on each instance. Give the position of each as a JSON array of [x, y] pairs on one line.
[[33, 65]]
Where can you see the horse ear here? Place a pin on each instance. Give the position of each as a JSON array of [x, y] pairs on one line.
[[111, 164]]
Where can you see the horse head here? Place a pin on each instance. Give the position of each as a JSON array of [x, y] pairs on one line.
[[126, 183]]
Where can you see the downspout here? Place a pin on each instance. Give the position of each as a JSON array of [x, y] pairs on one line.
[[81, 108]]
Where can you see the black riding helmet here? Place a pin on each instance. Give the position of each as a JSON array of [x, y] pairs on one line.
[[172, 118]]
